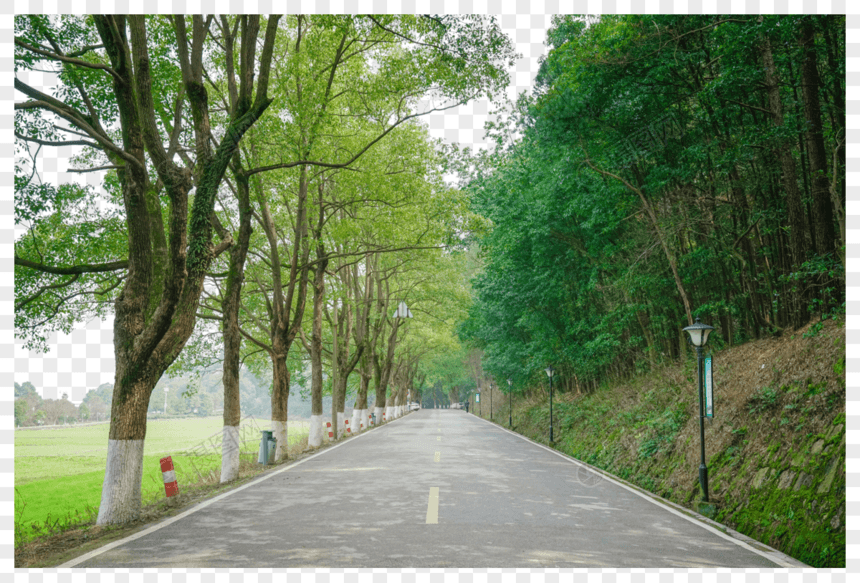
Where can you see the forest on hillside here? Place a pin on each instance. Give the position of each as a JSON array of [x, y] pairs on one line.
[[664, 168]]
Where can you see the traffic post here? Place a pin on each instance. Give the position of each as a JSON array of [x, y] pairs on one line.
[[171, 486]]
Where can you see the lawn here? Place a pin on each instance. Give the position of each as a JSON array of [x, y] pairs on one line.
[[59, 472]]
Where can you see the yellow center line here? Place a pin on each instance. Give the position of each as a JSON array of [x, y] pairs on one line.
[[433, 506], [436, 457]]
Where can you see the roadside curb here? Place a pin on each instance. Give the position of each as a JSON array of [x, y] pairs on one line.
[[721, 530]]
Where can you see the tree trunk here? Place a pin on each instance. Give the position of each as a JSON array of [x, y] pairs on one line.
[[796, 215], [230, 446], [121, 490], [280, 396], [379, 390], [364, 376], [822, 209], [339, 403], [316, 433], [390, 413]]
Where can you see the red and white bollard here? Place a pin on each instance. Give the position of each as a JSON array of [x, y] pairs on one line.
[[330, 433], [171, 486], [346, 422], [383, 417]]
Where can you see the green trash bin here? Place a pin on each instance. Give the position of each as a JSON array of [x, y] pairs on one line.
[[267, 448]]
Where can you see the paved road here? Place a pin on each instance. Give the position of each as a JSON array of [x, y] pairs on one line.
[[437, 488]]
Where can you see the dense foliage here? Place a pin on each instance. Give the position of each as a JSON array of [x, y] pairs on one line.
[[665, 168]]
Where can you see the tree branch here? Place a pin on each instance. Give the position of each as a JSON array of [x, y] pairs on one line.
[[75, 269], [96, 169], [52, 143], [70, 60]]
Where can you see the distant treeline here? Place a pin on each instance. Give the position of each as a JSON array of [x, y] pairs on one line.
[[193, 395]]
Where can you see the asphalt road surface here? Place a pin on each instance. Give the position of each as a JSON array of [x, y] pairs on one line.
[[436, 488]]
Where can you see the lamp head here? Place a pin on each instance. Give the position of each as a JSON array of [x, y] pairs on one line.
[[699, 333], [549, 371]]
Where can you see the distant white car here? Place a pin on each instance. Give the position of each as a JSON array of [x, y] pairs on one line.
[[414, 406]]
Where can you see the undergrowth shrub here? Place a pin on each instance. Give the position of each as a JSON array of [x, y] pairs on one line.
[[763, 399]]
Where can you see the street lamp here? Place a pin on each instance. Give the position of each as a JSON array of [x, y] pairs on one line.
[[491, 402], [511, 404], [549, 372], [165, 399], [699, 337]]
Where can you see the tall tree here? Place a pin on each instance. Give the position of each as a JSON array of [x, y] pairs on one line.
[[155, 312], [822, 209], [385, 64]]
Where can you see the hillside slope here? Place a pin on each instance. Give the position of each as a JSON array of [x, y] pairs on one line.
[[775, 448]]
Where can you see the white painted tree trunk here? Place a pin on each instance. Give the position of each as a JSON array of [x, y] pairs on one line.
[[315, 435], [123, 475], [378, 412], [229, 453], [356, 421], [341, 426], [279, 432], [389, 413]]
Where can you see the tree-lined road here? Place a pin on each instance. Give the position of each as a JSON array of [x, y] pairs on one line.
[[437, 488]]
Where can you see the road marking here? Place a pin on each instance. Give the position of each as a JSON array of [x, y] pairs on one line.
[[436, 457], [440, 430], [777, 557], [433, 506], [439, 438]]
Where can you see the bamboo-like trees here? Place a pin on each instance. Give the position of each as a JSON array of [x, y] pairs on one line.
[[669, 167]]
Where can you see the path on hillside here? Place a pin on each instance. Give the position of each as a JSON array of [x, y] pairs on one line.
[[437, 488]]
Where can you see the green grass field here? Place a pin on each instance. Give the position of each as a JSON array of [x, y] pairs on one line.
[[59, 472]]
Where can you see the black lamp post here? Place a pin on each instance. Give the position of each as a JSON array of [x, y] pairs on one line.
[[549, 372], [491, 402], [699, 337], [511, 404]]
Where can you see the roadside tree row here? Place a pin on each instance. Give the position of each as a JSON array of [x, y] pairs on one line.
[[267, 175]]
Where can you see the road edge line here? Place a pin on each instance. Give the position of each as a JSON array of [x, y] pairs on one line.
[[781, 559], [167, 522]]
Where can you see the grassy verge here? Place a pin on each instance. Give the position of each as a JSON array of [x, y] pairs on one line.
[[59, 473]]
